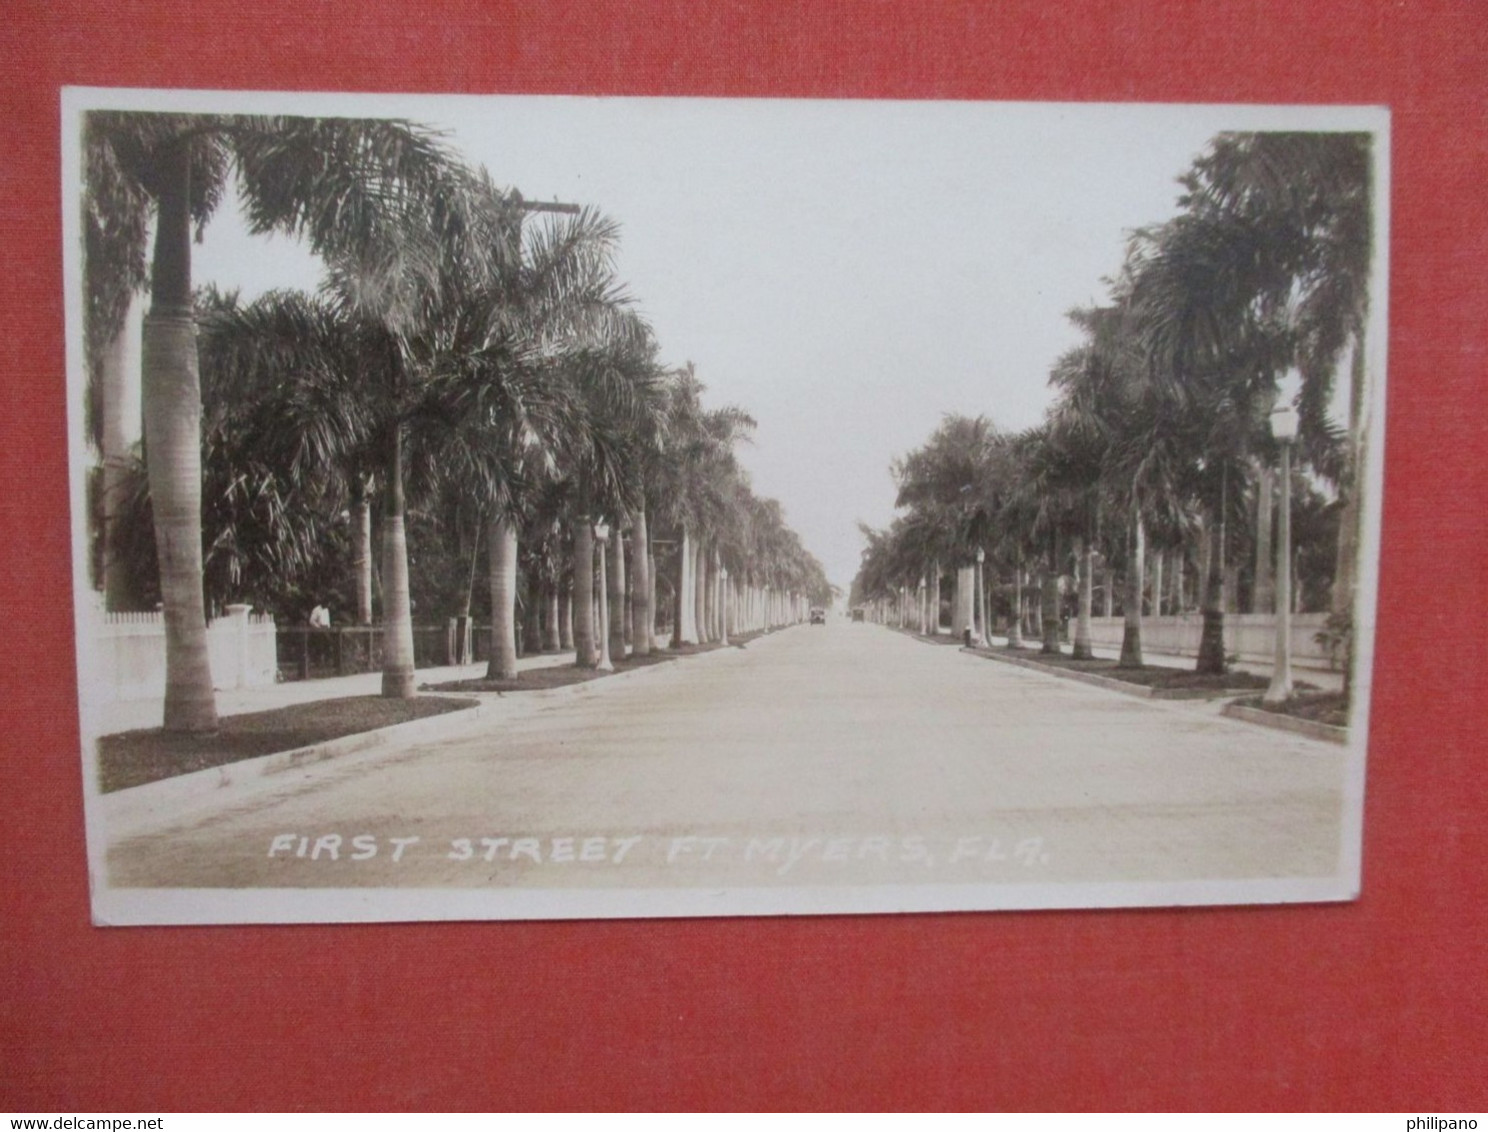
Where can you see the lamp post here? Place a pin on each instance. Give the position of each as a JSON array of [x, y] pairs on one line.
[[602, 536], [981, 599], [1284, 429]]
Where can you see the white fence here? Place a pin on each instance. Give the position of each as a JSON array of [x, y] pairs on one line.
[[1250, 635], [129, 658]]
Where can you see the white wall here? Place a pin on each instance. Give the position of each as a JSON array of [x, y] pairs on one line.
[[1251, 635], [129, 658]]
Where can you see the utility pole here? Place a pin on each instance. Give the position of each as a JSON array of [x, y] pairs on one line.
[[521, 204]]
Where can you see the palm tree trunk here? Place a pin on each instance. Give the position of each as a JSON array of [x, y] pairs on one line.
[[552, 631], [933, 613], [172, 420], [651, 641], [1015, 630], [565, 620], [583, 593], [1050, 612], [1206, 552], [1036, 607], [532, 619], [1346, 560], [1157, 584], [615, 583], [1263, 592], [361, 550], [717, 594], [683, 631], [1085, 553], [469, 595], [1211, 642], [502, 541], [397, 612], [640, 586], [710, 596], [700, 592], [963, 612], [984, 634], [1136, 557]]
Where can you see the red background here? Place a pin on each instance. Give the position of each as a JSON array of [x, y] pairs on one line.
[[1378, 1004]]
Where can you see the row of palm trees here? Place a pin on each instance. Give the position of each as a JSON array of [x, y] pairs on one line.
[[490, 374], [1156, 447]]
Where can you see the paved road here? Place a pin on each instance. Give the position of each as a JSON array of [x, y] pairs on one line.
[[848, 754]]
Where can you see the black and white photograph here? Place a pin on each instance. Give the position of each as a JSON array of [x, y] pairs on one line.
[[517, 507]]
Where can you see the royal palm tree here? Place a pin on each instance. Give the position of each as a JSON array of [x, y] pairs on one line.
[[552, 312], [614, 383], [687, 471], [1313, 194], [954, 481], [1215, 344], [1266, 266], [383, 193]]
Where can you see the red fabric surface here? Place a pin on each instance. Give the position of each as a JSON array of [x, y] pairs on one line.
[[1378, 1004]]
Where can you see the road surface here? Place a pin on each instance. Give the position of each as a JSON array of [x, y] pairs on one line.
[[839, 755]]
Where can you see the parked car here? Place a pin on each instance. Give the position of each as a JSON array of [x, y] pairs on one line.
[[818, 616]]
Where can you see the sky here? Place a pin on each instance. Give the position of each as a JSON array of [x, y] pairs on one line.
[[846, 272]]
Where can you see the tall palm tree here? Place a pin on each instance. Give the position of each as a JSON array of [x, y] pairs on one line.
[[954, 482], [356, 405], [382, 192], [549, 312], [1266, 266], [1316, 190], [1216, 342], [687, 474], [613, 381]]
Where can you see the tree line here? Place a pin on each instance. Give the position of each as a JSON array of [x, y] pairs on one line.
[[471, 380], [1155, 466]]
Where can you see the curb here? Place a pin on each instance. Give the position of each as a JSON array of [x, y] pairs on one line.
[[946, 640], [413, 729], [1309, 727], [176, 798], [218, 784], [1110, 683], [1141, 691]]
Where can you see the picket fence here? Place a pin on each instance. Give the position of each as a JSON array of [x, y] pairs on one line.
[[129, 653]]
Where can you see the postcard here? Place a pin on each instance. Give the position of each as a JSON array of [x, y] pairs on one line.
[[552, 507]]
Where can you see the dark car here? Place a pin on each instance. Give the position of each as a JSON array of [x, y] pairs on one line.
[[818, 616]]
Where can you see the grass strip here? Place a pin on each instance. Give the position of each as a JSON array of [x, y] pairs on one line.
[[132, 758]]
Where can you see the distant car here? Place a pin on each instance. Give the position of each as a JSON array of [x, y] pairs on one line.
[[857, 615], [818, 616]]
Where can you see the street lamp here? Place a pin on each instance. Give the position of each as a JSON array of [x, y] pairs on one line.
[[984, 637], [1284, 429], [602, 536]]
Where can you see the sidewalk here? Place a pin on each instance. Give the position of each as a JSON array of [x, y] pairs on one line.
[[138, 715], [135, 715], [1321, 678]]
